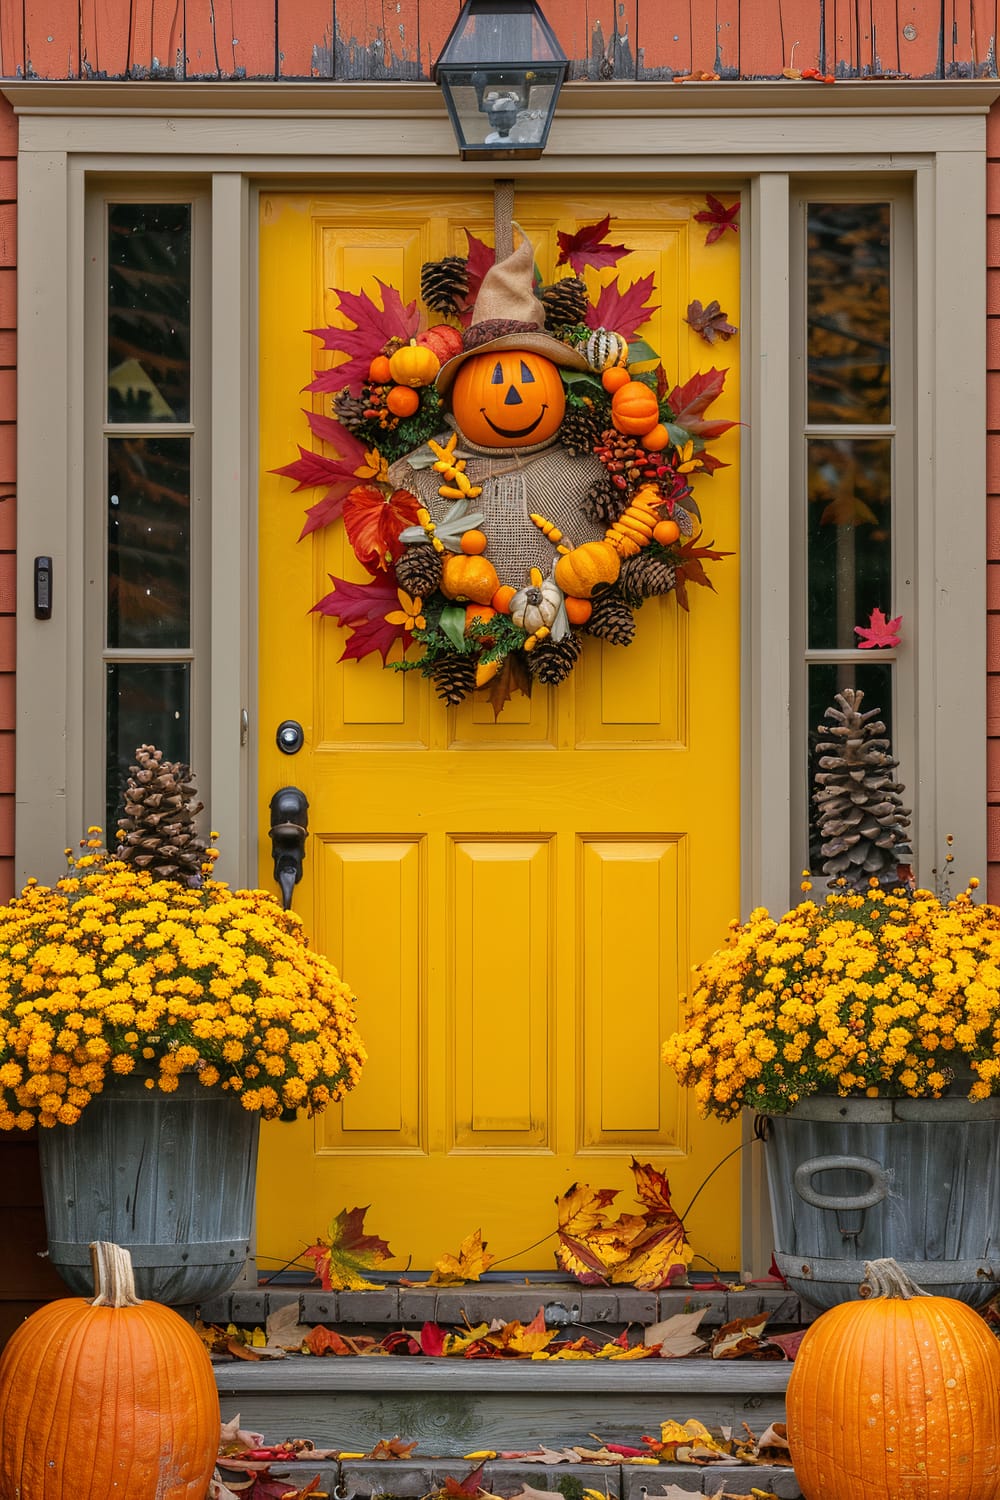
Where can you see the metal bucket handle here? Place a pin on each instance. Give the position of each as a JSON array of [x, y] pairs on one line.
[[805, 1172]]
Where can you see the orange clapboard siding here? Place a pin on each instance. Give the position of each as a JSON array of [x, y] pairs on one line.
[[992, 538], [364, 39]]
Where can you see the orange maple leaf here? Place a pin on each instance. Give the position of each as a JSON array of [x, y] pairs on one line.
[[472, 1260], [523, 1338], [320, 1340], [393, 1448]]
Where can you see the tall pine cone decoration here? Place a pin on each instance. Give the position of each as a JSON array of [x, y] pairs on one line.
[[611, 619], [158, 823], [454, 677], [418, 570], [565, 301], [444, 284], [862, 821], [551, 662]]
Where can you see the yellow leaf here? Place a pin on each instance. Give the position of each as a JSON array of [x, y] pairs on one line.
[[457, 1343], [472, 1260]]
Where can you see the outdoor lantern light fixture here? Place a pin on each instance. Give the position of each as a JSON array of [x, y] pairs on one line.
[[500, 71]]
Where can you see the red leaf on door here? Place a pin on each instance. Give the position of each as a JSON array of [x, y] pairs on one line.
[[587, 248], [623, 311]]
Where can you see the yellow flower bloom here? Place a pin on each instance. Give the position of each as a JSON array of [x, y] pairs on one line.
[[409, 614]]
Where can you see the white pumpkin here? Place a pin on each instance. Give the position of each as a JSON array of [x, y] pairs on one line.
[[536, 606]]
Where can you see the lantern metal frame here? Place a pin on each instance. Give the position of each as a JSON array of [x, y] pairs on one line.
[[516, 94]]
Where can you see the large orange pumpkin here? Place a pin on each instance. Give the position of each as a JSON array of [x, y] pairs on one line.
[[509, 398], [896, 1398], [109, 1397]]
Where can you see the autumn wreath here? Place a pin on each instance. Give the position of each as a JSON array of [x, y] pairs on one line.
[[512, 479]]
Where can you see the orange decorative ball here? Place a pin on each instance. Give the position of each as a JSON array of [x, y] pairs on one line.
[[474, 542], [578, 611], [656, 439], [666, 532], [510, 398], [378, 371], [402, 401], [501, 599], [480, 612], [635, 409], [110, 1397], [613, 379]]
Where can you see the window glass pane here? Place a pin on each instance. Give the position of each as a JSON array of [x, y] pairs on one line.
[[148, 704], [149, 543], [826, 679], [149, 312], [849, 537], [848, 308]]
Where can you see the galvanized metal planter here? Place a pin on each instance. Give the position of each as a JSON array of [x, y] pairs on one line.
[[170, 1176], [917, 1179]]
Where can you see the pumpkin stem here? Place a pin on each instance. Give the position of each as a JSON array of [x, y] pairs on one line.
[[886, 1278], [114, 1281]]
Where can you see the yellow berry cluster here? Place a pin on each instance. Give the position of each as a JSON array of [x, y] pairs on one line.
[[885, 992], [113, 971]]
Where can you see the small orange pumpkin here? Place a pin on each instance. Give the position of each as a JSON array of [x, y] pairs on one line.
[[508, 398], [579, 572], [896, 1396], [109, 1397], [468, 578], [635, 409], [414, 365]]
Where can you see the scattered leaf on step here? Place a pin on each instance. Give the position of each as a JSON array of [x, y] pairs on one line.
[[472, 1260], [675, 1336]]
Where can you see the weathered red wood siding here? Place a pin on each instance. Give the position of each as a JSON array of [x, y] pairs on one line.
[[8, 477], [366, 39], [993, 499]]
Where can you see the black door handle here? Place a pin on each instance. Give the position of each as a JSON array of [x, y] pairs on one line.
[[289, 831]]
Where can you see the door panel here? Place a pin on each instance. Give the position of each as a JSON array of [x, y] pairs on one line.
[[516, 903]]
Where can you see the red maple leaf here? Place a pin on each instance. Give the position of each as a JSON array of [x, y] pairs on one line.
[[623, 311], [432, 1337], [337, 470], [690, 569], [374, 521], [879, 631], [362, 608], [374, 326], [689, 401], [719, 216], [587, 248], [477, 263], [470, 1485]]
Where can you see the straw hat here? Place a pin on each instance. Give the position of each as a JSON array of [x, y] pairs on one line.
[[508, 315]]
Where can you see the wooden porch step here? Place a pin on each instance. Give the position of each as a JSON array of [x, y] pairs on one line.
[[451, 1407]]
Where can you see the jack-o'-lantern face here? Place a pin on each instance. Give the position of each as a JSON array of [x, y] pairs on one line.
[[509, 398]]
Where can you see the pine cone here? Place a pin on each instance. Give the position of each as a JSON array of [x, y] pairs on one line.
[[551, 662], [565, 301], [603, 503], [454, 677], [862, 821], [418, 571], [158, 822], [611, 620], [444, 284], [350, 410], [580, 431], [643, 576]]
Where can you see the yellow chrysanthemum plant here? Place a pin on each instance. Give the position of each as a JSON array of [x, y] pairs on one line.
[[874, 992], [113, 970]]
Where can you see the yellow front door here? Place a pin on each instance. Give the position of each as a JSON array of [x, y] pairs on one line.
[[517, 904]]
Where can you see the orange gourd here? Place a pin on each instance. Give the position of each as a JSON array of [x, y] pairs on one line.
[[108, 1397], [635, 409], [414, 364], [378, 370], [578, 611], [501, 599], [508, 398], [896, 1397], [474, 541], [581, 571], [666, 532], [469, 579], [614, 378]]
